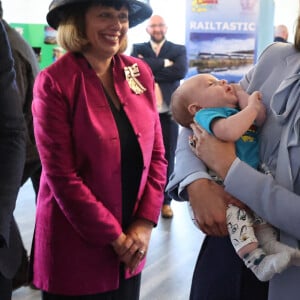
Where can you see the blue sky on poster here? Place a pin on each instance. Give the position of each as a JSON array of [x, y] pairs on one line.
[[214, 42]]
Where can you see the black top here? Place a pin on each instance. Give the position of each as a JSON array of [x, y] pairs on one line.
[[131, 163]]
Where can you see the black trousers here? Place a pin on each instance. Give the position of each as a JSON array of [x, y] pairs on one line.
[[170, 135], [129, 289], [221, 275], [5, 288], [32, 171]]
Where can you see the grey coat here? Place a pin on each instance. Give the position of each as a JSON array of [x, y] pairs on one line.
[[27, 68], [278, 200]]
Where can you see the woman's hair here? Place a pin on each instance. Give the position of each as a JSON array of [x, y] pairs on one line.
[[297, 35], [71, 32]]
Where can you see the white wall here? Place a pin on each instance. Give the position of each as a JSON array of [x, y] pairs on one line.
[[25, 11], [34, 11], [173, 17], [287, 13]]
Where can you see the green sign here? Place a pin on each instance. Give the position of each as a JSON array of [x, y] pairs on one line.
[[42, 38]]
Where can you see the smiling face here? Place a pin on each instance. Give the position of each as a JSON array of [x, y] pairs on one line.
[[157, 28], [106, 29], [208, 91]]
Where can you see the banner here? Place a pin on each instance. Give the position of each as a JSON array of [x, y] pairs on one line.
[[221, 37]]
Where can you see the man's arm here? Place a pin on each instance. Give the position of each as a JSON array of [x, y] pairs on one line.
[[165, 69], [178, 69], [142, 51]]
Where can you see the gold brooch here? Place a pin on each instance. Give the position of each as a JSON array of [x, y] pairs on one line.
[[131, 74]]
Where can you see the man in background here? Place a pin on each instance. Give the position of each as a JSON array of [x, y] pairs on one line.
[[26, 68], [168, 62], [281, 34]]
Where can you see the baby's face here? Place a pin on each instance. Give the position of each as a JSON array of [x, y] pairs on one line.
[[212, 92]]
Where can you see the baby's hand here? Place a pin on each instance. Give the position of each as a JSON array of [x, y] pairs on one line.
[[255, 101], [241, 95]]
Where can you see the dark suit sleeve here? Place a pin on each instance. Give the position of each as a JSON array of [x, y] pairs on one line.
[[176, 53], [12, 141], [145, 52], [178, 70]]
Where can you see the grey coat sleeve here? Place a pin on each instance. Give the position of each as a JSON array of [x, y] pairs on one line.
[[188, 168], [261, 193]]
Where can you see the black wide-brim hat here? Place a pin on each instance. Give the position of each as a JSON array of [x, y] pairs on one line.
[[138, 11]]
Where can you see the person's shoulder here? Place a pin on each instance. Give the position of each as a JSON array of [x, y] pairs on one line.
[[176, 49], [22, 47], [285, 47], [172, 44], [64, 68], [279, 39], [64, 75], [279, 50], [140, 45], [16, 40]]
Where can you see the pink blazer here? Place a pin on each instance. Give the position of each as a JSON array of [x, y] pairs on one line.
[[79, 203]]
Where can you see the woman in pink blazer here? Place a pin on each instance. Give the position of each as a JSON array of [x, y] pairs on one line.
[[100, 143]]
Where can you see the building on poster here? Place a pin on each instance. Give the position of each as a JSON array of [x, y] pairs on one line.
[[221, 37]]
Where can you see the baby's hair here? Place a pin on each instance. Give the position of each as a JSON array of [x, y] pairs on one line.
[[179, 108]]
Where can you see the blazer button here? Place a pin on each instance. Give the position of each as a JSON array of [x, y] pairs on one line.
[[138, 135]]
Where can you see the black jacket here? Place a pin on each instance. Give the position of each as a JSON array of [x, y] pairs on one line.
[[12, 158], [168, 78]]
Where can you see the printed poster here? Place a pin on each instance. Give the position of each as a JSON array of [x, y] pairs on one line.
[[221, 37]]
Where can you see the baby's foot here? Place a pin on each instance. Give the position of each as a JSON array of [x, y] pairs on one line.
[[273, 247], [266, 266], [270, 265]]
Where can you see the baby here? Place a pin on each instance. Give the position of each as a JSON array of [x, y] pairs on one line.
[[230, 114]]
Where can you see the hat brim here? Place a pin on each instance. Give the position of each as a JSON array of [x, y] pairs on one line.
[[138, 11]]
